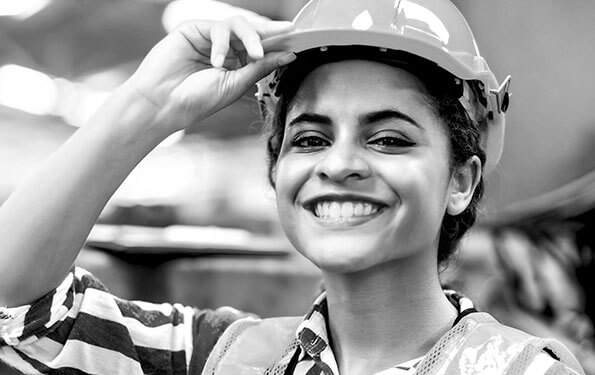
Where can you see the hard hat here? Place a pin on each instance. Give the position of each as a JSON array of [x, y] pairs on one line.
[[432, 29]]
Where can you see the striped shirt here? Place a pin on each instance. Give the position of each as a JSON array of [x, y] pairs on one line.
[[80, 328]]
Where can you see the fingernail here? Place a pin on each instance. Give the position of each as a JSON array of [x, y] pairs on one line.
[[286, 58], [218, 61]]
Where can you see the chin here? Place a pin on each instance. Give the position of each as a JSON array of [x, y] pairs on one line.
[[343, 256]]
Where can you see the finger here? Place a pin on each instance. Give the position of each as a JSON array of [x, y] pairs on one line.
[[234, 59], [258, 69], [264, 30], [246, 33], [272, 28], [220, 34], [196, 33]]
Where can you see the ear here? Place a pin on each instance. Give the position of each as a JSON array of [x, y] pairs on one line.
[[463, 182]]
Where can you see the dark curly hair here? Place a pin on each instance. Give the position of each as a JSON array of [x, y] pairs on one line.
[[442, 93]]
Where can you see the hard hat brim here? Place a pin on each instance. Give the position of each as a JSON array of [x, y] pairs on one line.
[[301, 40]]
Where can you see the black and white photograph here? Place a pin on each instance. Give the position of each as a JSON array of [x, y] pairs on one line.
[[297, 187]]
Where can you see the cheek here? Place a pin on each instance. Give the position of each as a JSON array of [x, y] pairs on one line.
[[290, 177], [435, 199], [290, 174], [422, 185]]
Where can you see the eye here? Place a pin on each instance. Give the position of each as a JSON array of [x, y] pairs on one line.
[[310, 141], [391, 142]]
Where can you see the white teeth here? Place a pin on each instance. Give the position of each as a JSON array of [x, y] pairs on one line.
[[347, 209], [358, 210], [342, 210], [335, 210], [326, 209]]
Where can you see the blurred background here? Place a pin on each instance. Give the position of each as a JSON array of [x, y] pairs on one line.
[[196, 222]]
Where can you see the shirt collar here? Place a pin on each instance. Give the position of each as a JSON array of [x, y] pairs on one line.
[[313, 338], [312, 333]]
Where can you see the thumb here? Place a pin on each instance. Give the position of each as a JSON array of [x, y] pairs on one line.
[[257, 70]]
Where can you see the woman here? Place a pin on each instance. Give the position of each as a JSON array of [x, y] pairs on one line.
[[379, 131]]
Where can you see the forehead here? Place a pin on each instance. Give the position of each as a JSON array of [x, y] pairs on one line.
[[359, 85]]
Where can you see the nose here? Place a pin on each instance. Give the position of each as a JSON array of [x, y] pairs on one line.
[[343, 161]]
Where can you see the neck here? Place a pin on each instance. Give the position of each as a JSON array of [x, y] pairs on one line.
[[386, 315]]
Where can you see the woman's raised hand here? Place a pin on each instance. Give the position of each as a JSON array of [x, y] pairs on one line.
[[203, 66], [196, 70]]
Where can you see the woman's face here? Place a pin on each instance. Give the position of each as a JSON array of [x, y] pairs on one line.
[[363, 174]]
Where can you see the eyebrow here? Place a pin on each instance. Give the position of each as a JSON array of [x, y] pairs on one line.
[[311, 118], [388, 114], [369, 118]]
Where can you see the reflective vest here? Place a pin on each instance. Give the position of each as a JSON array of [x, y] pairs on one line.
[[478, 344]]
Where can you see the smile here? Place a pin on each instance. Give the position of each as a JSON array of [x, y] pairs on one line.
[[333, 210]]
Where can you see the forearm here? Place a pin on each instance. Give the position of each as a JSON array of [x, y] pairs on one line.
[[45, 221]]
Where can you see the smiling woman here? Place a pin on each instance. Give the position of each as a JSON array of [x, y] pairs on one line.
[[381, 120], [368, 138], [388, 128]]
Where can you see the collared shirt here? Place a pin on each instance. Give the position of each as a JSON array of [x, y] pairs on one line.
[[316, 356], [83, 329]]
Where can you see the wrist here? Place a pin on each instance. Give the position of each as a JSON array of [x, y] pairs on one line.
[[132, 115]]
